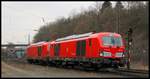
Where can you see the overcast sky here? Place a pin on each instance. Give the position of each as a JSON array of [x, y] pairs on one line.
[[19, 19]]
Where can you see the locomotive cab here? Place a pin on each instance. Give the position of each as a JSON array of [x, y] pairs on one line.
[[112, 49]]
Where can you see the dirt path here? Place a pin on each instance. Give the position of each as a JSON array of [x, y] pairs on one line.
[[10, 71]]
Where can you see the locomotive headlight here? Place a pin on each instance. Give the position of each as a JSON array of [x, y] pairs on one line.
[[104, 53], [119, 54], [101, 54]]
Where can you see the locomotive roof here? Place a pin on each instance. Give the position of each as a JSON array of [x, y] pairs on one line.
[[75, 37], [38, 44], [83, 36]]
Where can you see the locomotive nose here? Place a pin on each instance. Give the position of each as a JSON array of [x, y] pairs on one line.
[[112, 52]]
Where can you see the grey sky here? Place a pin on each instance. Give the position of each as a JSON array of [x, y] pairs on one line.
[[20, 18]]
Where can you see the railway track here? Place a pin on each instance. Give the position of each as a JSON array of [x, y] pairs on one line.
[[134, 71], [131, 73], [124, 72]]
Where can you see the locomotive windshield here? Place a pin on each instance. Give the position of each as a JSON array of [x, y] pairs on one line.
[[112, 41]]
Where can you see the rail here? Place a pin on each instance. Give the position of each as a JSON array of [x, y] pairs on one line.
[[134, 71]]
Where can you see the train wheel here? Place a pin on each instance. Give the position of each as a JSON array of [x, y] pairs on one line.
[[29, 61], [41, 62], [115, 66], [64, 64], [86, 68], [44, 63], [96, 68], [72, 66], [32, 61], [49, 63], [37, 62]]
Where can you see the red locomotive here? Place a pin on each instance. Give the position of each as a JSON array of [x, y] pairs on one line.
[[96, 50]]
